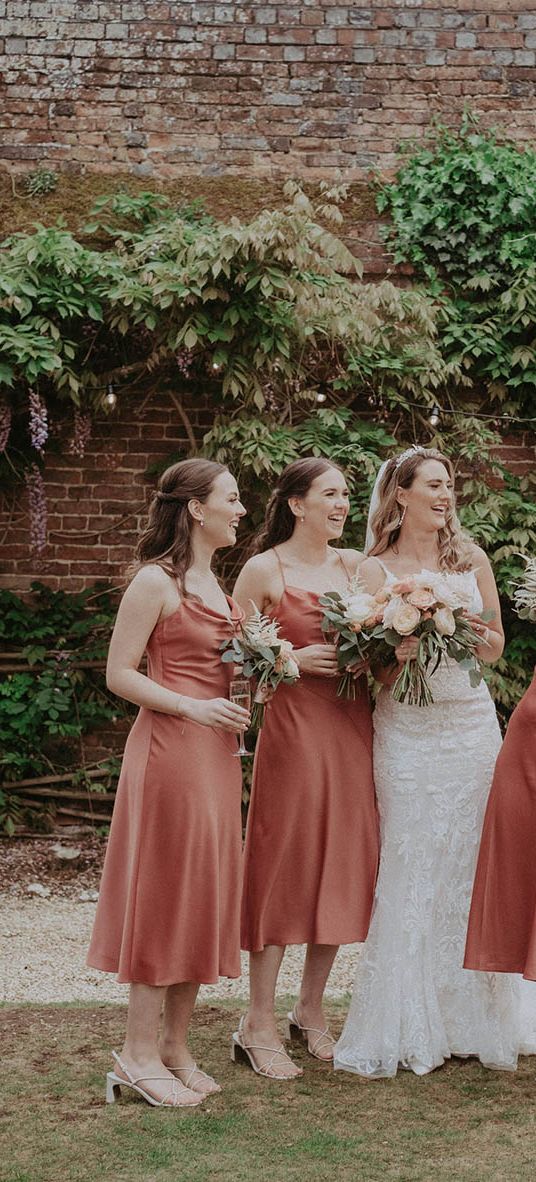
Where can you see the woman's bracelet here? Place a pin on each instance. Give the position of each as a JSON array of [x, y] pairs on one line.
[[178, 708]]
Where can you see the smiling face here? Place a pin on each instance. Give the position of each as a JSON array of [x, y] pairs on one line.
[[221, 512], [324, 508], [429, 499]]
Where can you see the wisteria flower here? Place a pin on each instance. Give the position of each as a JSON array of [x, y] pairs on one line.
[[38, 509], [38, 421]]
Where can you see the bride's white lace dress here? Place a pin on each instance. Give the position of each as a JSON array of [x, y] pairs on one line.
[[413, 1003]]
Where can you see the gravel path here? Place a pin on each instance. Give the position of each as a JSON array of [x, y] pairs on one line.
[[44, 949]]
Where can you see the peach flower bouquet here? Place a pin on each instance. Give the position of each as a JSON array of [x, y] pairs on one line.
[[433, 609], [349, 620], [260, 653]]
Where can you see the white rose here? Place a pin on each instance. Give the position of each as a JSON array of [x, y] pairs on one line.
[[454, 591], [360, 607], [444, 621], [401, 616], [292, 668], [285, 648]]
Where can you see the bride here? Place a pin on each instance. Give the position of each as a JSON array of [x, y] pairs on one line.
[[413, 1003]]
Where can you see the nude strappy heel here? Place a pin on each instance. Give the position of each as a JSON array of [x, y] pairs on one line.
[[171, 1099], [192, 1077], [301, 1033], [240, 1053]]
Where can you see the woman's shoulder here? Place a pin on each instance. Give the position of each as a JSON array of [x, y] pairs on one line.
[[151, 577], [351, 558], [373, 573], [476, 557], [260, 564]]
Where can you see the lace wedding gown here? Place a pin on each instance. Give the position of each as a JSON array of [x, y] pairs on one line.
[[413, 1003]]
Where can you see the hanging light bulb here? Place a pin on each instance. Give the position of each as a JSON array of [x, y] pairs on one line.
[[110, 397], [321, 396], [215, 365], [434, 416]]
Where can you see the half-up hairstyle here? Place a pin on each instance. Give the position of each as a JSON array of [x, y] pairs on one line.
[[400, 472], [294, 481], [167, 537]]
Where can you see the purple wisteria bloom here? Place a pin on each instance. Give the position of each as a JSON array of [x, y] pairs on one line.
[[38, 509], [38, 421], [81, 434]]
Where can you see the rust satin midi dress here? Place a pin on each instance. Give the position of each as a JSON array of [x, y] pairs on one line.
[[311, 850], [502, 923], [169, 903]]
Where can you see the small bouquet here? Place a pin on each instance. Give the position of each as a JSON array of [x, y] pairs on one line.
[[431, 608], [350, 617], [525, 592], [260, 653]]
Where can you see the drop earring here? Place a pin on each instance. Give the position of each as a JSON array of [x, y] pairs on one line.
[[201, 521], [402, 516]]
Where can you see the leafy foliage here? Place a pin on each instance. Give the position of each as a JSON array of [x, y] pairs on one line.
[[41, 180], [48, 706], [298, 354], [463, 210], [272, 310]]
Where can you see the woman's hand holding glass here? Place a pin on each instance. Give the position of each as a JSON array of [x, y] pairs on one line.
[[218, 712]]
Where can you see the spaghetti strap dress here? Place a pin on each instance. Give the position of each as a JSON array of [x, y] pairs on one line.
[[169, 903], [502, 922], [311, 851]]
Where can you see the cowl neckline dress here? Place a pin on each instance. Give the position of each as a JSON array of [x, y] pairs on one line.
[[311, 849], [169, 902]]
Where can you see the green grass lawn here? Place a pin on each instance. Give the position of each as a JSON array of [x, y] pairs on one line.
[[461, 1122]]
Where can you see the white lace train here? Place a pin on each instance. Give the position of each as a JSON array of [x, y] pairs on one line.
[[413, 1003]]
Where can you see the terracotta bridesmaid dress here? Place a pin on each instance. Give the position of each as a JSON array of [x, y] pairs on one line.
[[169, 903], [502, 923], [311, 851]]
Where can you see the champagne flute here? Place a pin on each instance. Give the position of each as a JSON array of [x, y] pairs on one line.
[[240, 694]]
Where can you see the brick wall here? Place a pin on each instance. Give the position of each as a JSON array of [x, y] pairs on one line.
[[308, 87], [206, 90], [96, 505]]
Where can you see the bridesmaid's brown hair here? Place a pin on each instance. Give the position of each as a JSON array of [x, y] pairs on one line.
[[166, 539], [294, 481]]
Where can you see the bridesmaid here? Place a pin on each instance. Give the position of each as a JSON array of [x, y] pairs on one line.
[[312, 840], [502, 922], [168, 912]]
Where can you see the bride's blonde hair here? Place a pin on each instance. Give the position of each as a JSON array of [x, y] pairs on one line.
[[400, 472]]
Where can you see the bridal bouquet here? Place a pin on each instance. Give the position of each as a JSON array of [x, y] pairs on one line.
[[431, 608], [350, 617], [261, 654]]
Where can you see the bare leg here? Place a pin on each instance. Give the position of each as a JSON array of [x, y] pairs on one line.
[[140, 1052], [309, 1010], [260, 1029], [178, 1006]]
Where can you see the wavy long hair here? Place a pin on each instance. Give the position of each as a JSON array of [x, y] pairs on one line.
[[294, 481], [453, 544], [167, 538]]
